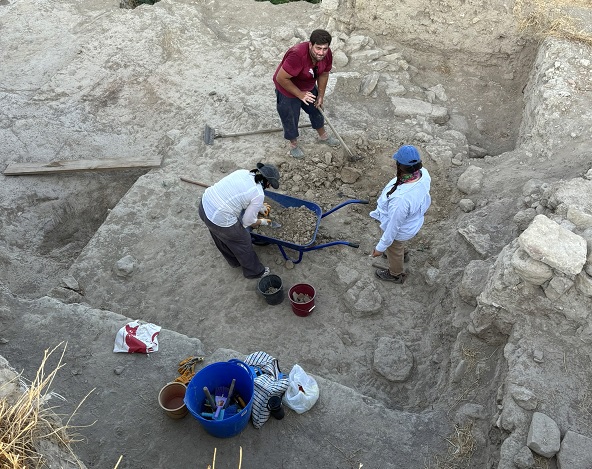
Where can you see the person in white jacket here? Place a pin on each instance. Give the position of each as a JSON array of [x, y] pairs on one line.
[[232, 205], [400, 210]]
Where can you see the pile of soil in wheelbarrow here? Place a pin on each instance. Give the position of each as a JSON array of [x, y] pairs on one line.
[[298, 224]]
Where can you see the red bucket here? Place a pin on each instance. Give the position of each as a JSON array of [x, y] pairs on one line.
[[302, 309]]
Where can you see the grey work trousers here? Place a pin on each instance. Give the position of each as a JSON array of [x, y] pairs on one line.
[[234, 242], [396, 257]]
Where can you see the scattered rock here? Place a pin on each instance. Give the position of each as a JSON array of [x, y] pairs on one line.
[[363, 298], [471, 180], [530, 270], [524, 458], [466, 205], [584, 284], [524, 397], [473, 281], [481, 242], [548, 242], [575, 452], [557, 287], [393, 359], [125, 266], [544, 437], [70, 282], [350, 175]]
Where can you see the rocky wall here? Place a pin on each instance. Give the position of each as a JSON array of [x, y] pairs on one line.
[[477, 27]]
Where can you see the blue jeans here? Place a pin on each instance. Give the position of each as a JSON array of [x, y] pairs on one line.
[[289, 111]]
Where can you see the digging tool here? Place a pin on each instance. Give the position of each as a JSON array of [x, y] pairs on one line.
[[210, 133], [197, 183], [353, 158], [273, 224]]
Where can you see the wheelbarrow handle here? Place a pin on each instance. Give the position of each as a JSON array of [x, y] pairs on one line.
[[343, 204]]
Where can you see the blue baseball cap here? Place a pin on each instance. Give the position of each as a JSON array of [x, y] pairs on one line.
[[407, 155]]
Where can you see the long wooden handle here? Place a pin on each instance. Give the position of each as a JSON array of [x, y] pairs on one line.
[[335, 132], [254, 132], [191, 181]]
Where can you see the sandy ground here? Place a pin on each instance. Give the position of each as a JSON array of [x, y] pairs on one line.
[[92, 95]]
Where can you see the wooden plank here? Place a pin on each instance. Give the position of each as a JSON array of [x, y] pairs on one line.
[[21, 169]]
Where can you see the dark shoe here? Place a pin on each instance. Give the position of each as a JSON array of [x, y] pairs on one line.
[[384, 274], [405, 256]]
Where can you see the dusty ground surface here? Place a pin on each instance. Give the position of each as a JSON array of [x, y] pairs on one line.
[[95, 81]]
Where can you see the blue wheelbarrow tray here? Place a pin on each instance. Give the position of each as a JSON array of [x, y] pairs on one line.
[[288, 201]]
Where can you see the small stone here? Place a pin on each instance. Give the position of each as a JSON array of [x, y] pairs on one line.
[[466, 205], [3, 341], [289, 265], [537, 356], [125, 266], [118, 370]]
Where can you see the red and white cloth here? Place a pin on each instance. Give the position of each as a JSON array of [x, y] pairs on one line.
[[137, 338]]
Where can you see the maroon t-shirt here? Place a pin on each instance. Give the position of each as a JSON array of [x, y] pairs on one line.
[[298, 63]]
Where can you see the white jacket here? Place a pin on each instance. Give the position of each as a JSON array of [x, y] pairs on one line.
[[401, 215], [224, 201]]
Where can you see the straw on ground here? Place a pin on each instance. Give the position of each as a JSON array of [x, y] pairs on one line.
[[553, 18], [29, 420]]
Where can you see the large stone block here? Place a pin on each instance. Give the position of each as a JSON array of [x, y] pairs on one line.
[[548, 242], [575, 452], [544, 437], [530, 270]]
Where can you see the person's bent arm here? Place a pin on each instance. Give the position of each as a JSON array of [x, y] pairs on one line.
[[252, 211], [285, 81], [322, 81]]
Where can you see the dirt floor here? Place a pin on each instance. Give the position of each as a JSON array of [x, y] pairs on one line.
[[130, 83]]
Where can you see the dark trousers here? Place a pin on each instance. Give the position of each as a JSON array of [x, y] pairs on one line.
[[289, 111], [234, 242]]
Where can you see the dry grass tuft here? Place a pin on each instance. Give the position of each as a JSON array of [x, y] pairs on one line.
[[29, 419], [460, 451], [540, 462], [552, 18]]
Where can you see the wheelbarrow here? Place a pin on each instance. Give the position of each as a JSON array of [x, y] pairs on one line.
[[288, 201]]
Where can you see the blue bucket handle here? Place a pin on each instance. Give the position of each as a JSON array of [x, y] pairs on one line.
[[249, 370]]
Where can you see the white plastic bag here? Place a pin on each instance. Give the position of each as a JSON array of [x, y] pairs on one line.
[[302, 392]]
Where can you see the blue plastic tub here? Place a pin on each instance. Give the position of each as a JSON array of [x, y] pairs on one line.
[[218, 375]]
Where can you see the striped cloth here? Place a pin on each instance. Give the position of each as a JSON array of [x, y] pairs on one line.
[[270, 381]]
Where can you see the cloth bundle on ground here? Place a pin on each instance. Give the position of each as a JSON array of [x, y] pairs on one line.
[[137, 338], [270, 381]]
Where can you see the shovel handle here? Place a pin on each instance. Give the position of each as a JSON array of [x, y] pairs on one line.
[[335, 132], [255, 132], [197, 183]]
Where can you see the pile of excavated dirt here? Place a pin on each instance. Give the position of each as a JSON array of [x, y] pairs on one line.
[[489, 331]]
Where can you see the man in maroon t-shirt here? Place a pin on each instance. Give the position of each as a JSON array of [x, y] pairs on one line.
[[300, 82]]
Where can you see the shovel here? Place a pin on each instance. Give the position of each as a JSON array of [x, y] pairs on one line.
[[210, 133], [351, 155], [274, 224]]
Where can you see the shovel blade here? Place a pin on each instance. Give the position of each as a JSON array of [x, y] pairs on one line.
[[209, 135]]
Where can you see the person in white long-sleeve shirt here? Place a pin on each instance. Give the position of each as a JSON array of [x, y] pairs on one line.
[[400, 210], [232, 205]]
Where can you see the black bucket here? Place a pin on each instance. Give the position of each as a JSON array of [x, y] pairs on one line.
[[271, 288]]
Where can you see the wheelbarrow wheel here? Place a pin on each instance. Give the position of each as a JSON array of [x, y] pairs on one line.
[[259, 242]]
